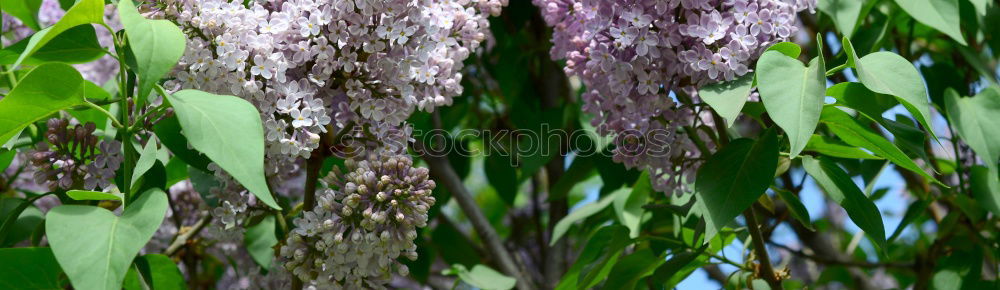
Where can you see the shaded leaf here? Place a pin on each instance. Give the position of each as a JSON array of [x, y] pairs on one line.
[[82, 13], [29, 268], [796, 208], [842, 190], [584, 212], [856, 134], [502, 176], [260, 240], [734, 177]]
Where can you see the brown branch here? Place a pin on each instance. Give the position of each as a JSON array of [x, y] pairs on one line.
[[182, 239], [834, 261], [442, 172], [760, 249]]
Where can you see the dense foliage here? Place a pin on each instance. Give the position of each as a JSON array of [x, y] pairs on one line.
[[494, 144]]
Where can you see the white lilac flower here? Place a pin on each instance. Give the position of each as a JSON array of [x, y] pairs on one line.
[[365, 221]]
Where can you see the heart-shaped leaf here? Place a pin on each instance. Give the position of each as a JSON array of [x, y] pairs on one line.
[[793, 95], [727, 98], [842, 190], [156, 44], [83, 12], [228, 130], [35, 97], [733, 178], [95, 247], [941, 14], [888, 73]]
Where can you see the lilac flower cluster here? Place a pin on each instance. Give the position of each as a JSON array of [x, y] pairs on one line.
[[309, 64], [76, 157], [632, 54], [367, 219], [317, 68]]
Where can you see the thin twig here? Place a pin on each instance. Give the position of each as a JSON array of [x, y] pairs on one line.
[[833, 261], [182, 238]]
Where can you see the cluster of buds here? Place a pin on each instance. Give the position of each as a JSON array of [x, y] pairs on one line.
[[75, 158], [366, 219]]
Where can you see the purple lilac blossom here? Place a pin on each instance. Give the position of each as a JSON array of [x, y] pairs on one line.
[[632, 54]]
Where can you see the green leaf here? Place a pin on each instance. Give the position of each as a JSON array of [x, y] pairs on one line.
[[228, 130], [24, 10], [845, 13], [146, 160], [35, 98], [76, 45], [29, 268], [20, 218], [158, 272], [502, 176], [856, 96], [84, 12], [632, 268], [583, 212], [833, 147], [985, 185], [977, 120], [914, 211], [260, 240], [6, 157], [842, 190], [727, 98], [483, 277], [793, 95], [795, 206], [888, 73], [628, 207], [453, 246], [168, 131], [675, 264], [787, 48], [92, 195], [734, 177], [156, 44], [95, 247], [857, 134], [598, 255], [939, 14]]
